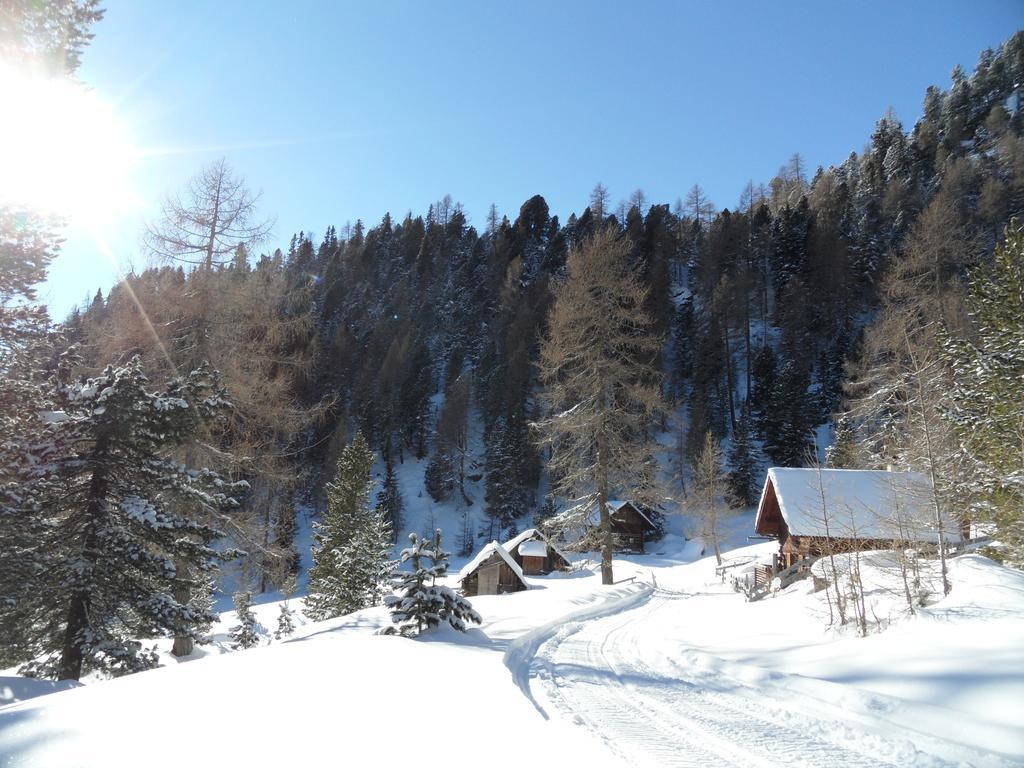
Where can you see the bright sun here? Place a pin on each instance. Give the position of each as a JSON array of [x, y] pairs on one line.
[[63, 151]]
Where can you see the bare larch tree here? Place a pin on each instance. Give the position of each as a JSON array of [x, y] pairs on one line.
[[601, 386], [706, 498], [225, 306], [206, 227]]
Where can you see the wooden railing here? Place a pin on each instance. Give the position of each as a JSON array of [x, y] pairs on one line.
[[758, 583]]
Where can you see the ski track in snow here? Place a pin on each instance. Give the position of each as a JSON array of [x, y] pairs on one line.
[[599, 674]]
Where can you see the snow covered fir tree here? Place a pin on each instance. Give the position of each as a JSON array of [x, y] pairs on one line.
[[103, 498], [421, 603], [245, 634], [352, 544]]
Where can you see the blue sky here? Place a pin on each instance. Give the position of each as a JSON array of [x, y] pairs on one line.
[[343, 111]]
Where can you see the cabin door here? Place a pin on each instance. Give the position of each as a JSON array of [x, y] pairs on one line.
[[488, 580]]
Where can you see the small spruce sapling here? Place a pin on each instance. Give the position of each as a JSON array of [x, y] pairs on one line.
[[422, 603], [203, 604], [412, 610], [285, 621], [245, 634]]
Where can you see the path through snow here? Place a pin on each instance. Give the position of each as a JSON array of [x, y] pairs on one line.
[[611, 675]]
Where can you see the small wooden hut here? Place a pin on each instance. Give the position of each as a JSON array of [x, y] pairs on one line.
[[535, 553], [631, 527], [492, 572]]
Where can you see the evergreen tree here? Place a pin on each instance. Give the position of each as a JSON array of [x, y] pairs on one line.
[[544, 512], [245, 634], [454, 608], [413, 609], [453, 434], [389, 499], [285, 620], [683, 325], [988, 405], [203, 604], [415, 401], [764, 376], [372, 555], [842, 453], [745, 477], [791, 417], [505, 495], [421, 603], [46, 38], [439, 476], [790, 243], [109, 501], [285, 530], [351, 543]]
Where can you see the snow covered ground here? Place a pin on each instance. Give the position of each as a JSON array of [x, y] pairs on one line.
[[670, 667], [695, 676]]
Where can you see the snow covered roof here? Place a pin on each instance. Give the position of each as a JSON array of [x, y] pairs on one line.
[[533, 548], [857, 502], [486, 552], [616, 505], [532, 534]]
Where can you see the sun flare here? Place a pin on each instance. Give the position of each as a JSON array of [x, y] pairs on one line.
[[64, 151]]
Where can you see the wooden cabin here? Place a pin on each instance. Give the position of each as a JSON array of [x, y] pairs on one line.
[[632, 528], [492, 572], [536, 554], [816, 512]]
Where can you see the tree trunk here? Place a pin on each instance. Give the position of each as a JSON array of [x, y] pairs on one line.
[[932, 459], [746, 325], [714, 533], [72, 656], [729, 379], [183, 644], [70, 666], [605, 526]]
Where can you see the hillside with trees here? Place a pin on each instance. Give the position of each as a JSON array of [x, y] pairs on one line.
[[772, 316]]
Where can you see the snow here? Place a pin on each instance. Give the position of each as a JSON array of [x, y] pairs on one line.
[[533, 548], [285, 701], [14, 689], [485, 553], [694, 675], [532, 534], [671, 667], [857, 502], [615, 506], [142, 511], [53, 417]]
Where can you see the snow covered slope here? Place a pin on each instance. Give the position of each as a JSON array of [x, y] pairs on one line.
[[669, 668], [695, 676]]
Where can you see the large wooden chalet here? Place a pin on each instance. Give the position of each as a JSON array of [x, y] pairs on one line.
[[815, 512]]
